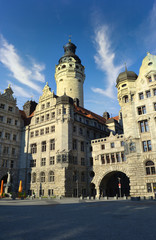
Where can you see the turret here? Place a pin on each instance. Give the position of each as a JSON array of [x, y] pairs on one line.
[[69, 74]]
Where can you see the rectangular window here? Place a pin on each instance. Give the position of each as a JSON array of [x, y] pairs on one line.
[[75, 160], [82, 161], [47, 117], [2, 106], [123, 157], [102, 159], [144, 126], [64, 110], [154, 92], [47, 129], [112, 145], [148, 94], [13, 151], [14, 137], [155, 77], [52, 128], [141, 110], [74, 128], [42, 118], [44, 146], [33, 163], [10, 109], [8, 120], [118, 157], [37, 120], [147, 146], [149, 187], [43, 106], [103, 146], [7, 136], [154, 106], [48, 104], [52, 160], [32, 134], [80, 131], [141, 96], [122, 143], [74, 144], [52, 144], [12, 164], [112, 158], [43, 161], [82, 146], [6, 150], [149, 79], [1, 118], [0, 134], [42, 131], [53, 115], [107, 158], [33, 148], [16, 122], [36, 133]]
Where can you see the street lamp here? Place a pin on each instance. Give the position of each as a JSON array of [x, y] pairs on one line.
[[119, 185]]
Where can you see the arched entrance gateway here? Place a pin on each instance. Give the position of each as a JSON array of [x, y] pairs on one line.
[[115, 184]]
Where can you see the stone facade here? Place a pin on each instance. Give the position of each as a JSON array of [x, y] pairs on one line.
[[137, 98]]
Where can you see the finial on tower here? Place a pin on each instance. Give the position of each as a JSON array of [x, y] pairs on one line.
[[70, 38]]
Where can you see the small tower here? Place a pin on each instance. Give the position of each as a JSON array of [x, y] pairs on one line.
[[69, 74]]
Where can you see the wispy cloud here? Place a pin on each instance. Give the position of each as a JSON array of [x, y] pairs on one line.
[[19, 91], [12, 61], [104, 59]]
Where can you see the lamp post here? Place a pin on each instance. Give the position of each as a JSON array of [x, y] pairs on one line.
[[119, 185]]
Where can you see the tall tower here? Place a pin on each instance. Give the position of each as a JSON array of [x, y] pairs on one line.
[[69, 74]]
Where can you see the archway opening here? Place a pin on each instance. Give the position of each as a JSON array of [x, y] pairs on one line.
[[115, 184]]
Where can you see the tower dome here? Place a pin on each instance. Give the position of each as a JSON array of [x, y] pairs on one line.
[[126, 75], [69, 51]]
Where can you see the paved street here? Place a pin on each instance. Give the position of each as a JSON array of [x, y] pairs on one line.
[[57, 220]]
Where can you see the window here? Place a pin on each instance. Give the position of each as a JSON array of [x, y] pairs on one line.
[[2, 106], [122, 143], [42, 106], [112, 158], [149, 79], [82, 161], [8, 120], [64, 110], [80, 131], [123, 157], [33, 148], [154, 92], [7, 136], [149, 187], [83, 177], [125, 99], [102, 146], [144, 126], [47, 116], [1, 118], [14, 137], [43, 161], [42, 118], [147, 146], [118, 157], [13, 151], [141, 96], [52, 160], [12, 164], [59, 111], [33, 163], [52, 128], [82, 146], [50, 192], [75, 160], [47, 129], [107, 158], [48, 104], [42, 177], [0, 134], [36, 133], [155, 77], [148, 94], [53, 115], [141, 110], [150, 168], [6, 150], [74, 144], [44, 146], [52, 144], [32, 134], [74, 128], [51, 176], [16, 122], [132, 97], [102, 159], [154, 106], [10, 109], [75, 176], [42, 131], [37, 120], [112, 145], [33, 177]]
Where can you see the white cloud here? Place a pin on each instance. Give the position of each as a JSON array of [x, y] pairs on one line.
[[12, 61], [19, 91], [104, 59]]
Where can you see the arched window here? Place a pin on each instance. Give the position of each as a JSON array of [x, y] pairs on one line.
[[34, 177], [51, 176], [125, 99], [64, 66], [42, 176], [150, 168]]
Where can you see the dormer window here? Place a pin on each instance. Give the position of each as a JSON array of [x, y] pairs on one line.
[[124, 85], [150, 79]]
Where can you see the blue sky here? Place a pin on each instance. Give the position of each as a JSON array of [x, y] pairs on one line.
[[107, 34]]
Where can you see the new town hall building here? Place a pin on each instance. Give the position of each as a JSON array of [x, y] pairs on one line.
[[57, 147]]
